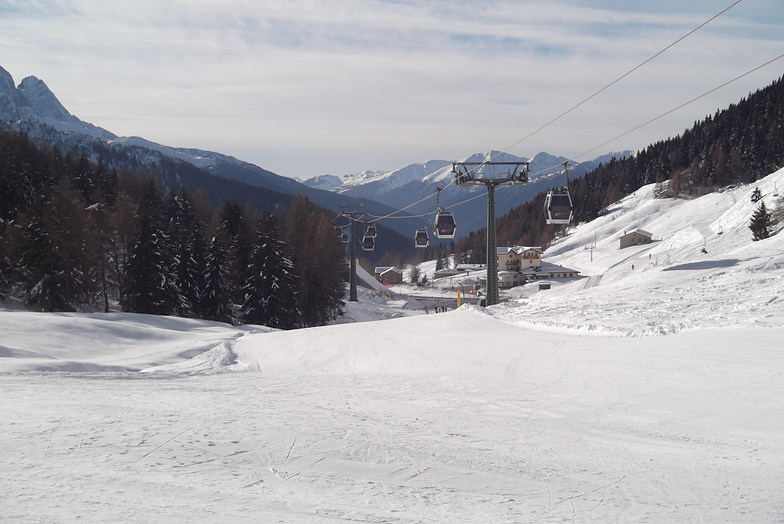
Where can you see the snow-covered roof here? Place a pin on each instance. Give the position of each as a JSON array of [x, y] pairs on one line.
[[470, 267], [548, 269], [517, 249], [392, 269], [638, 230]]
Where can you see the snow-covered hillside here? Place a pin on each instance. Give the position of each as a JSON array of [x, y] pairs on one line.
[[648, 391]]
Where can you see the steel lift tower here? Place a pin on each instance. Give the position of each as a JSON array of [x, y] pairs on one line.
[[353, 216], [469, 174]]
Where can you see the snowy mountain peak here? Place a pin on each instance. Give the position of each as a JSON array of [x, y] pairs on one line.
[[6, 82], [326, 182], [10, 99], [33, 101], [42, 101]]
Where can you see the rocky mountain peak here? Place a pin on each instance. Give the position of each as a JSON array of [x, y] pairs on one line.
[[42, 101], [31, 98], [10, 99]]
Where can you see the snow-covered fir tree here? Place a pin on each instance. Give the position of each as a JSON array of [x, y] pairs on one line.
[[271, 286], [760, 223], [151, 284], [214, 301], [188, 250]]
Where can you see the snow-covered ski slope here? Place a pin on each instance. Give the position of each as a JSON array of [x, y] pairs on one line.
[[644, 394], [701, 271]]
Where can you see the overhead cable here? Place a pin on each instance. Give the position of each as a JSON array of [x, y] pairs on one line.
[[620, 77], [682, 105]]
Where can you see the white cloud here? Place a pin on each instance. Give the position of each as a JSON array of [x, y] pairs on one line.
[[340, 86]]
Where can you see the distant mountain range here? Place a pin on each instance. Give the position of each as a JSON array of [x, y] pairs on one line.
[[34, 109], [401, 187]]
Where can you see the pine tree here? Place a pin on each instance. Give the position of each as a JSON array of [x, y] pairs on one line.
[[756, 195], [271, 288], [6, 266], [414, 274], [59, 266], [215, 302], [238, 231], [83, 179], [319, 260], [188, 252], [40, 265], [151, 284], [760, 223]]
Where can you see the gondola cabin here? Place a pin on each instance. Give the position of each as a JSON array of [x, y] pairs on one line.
[[370, 230], [368, 243], [558, 207], [444, 225], [344, 237], [421, 239]]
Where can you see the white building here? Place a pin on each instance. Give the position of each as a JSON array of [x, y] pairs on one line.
[[518, 265]]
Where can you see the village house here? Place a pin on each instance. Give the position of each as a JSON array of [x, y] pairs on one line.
[[635, 238], [518, 265], [389, 275]]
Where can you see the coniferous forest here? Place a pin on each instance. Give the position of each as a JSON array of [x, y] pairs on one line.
[[736, 145], [76, 236]]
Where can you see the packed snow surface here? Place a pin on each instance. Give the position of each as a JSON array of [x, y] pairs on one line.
[[650, 390]]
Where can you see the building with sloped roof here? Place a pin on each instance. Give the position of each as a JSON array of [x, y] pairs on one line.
[[635, 238], [389, 275], [519, 264]]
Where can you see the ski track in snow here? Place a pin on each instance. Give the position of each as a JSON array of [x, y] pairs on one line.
[[651, 394]]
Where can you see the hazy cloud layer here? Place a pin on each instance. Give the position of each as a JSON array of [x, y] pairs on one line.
[[336, 86]]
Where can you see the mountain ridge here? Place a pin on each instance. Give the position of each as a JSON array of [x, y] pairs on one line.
[[34, 109]]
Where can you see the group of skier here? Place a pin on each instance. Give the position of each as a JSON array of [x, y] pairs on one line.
[[437, 309]]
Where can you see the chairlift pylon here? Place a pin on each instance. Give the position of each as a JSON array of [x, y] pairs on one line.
[[558, 206]]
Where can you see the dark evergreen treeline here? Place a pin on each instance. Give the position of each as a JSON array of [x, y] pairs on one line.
[[75, 236], [737, 145], [240, 186]]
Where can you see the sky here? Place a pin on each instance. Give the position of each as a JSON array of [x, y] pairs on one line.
[[648, 390], [310, 87]]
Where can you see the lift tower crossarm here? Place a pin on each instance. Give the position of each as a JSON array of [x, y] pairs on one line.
[[468, 174]]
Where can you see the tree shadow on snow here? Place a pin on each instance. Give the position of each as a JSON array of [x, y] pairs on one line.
[[707, 264]]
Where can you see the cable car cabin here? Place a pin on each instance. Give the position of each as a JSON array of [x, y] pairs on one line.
[[370, 230], [344, 237], [558, 207], [444, 226], [368, 243], [420, 239]]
